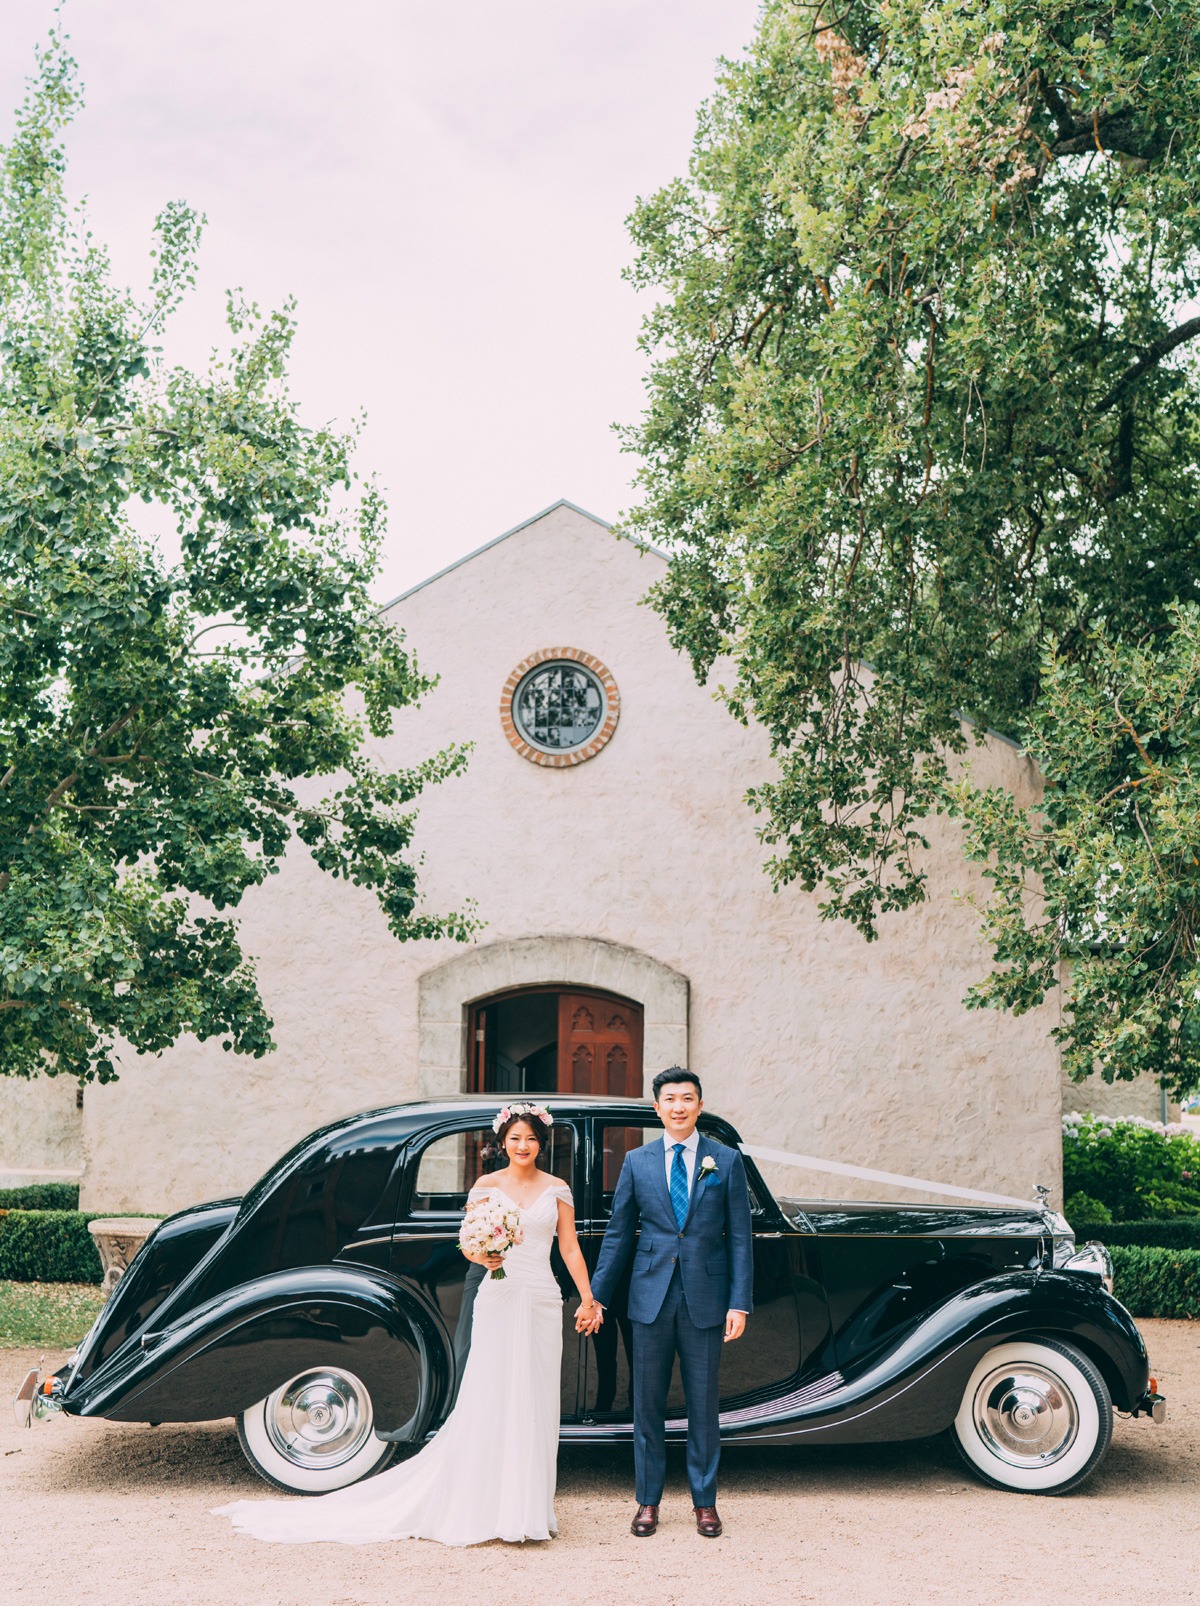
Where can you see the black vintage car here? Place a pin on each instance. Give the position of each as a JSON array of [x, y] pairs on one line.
[[329, 1312]]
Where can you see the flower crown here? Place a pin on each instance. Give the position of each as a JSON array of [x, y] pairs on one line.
[[525, 1110]]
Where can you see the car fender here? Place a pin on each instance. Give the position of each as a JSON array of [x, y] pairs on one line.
[[916, 1386], [224, 1356]]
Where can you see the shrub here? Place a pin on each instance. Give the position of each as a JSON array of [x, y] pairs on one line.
[[1137, 1169], [1157, 1282], [1182, 1232], [1082, 1207], [41, 1196], [48, 1246]]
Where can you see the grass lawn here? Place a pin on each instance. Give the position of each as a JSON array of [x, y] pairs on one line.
[[54, 1314]]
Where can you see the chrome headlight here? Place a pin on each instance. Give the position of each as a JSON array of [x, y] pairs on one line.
[[1093, 1260], [1064, 1248]]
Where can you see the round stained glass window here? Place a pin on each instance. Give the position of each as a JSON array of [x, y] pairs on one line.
[[559, 707]]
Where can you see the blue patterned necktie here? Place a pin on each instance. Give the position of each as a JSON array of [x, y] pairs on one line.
[[679, 1187]]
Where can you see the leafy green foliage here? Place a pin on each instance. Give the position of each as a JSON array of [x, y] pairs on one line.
[[921, 396], [162, 725], [1158, 1282], [1135, 1168], [51, 1246], [41, 1196], [1105, 873], [56, 1315], [1082, 1207]]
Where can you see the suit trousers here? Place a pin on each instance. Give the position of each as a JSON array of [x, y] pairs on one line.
[[655, 1346]]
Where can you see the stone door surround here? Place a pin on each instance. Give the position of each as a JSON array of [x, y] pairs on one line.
[[446, 992]]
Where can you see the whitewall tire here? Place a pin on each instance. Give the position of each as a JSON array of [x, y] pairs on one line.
[[1036, 1416], [315, 1433]]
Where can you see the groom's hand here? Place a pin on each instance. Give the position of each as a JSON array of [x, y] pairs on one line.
[[589, 1323], [735, 1325]]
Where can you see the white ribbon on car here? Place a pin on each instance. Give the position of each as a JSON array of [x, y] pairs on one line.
[[809, 1162]]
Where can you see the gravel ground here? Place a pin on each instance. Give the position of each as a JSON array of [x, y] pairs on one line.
[[103, 1512]]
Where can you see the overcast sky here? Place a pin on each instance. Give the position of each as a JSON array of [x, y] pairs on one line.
[[443, 187]]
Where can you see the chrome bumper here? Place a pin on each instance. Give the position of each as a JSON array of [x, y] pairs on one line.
[[1152, 1405], [36, 1400]]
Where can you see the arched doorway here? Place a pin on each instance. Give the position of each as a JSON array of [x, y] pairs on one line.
[[550, 1040]]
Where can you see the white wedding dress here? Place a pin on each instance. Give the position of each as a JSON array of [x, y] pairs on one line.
[[489, 1473]]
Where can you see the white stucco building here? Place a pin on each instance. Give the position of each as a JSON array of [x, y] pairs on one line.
[[629, 925]]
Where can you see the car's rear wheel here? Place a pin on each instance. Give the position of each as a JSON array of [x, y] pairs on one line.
[[1036, 1416], [314, 1434]]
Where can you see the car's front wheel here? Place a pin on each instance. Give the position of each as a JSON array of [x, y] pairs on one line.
[[314, 1434], [1036, 1416]]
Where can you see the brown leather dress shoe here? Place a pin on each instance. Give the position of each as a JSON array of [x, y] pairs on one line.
[[645, 1523], [708, 1524]]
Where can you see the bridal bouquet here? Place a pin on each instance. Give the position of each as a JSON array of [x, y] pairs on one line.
[[490, 1228]]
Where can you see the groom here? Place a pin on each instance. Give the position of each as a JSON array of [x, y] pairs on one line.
[[690, 1290]]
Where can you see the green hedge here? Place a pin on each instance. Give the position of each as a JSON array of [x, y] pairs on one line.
[[1181, 1233], [41, 1196], [1157, 1282], [48, 1246]]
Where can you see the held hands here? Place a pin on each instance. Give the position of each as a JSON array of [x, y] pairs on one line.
[[589, 1317], [735, 1325]]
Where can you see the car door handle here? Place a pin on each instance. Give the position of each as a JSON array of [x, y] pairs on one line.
[[768, 1235]]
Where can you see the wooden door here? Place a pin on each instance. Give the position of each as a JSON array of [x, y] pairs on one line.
[[599, 1045]]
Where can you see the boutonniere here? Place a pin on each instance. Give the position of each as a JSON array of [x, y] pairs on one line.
[[708, 1167]]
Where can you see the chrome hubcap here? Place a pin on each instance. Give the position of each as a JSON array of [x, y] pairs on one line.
[[319, 1419], [1026, 1415]]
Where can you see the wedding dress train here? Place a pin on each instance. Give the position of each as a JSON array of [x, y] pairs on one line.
[[489, 1473]]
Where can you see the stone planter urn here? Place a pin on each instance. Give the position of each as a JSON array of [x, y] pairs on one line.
[[118, 1239]]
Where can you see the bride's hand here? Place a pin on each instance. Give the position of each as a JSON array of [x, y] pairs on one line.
[[588, 1318], [493, 1262]]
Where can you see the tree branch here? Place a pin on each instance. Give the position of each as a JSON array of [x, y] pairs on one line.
[[1108, 134], [65, 786], [28, 1003], [61, 790], [1150, 358], [1058, 107]]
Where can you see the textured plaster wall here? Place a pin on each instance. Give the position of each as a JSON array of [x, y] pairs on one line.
[[807, 1037], [41, 1131], [1142, 1097]]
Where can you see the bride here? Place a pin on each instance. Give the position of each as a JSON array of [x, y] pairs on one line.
[[490, 1471]]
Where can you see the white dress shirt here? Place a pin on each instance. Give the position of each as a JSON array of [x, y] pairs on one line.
[[690, 1146]]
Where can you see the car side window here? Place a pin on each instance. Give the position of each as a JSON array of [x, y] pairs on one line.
[[450, 1166], [615, 1143]]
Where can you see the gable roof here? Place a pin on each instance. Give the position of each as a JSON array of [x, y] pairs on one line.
[[496, 540], [644, 546]]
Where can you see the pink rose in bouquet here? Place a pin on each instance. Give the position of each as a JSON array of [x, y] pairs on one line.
[[490, 1227]]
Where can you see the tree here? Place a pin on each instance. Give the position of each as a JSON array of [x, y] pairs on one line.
[[1104, 874], [922, 404], [160, 721]]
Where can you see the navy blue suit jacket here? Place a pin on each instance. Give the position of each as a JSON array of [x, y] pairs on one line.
[[714, 1250]]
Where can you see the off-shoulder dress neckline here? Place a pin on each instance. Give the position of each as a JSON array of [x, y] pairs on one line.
[[558, 1186]]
